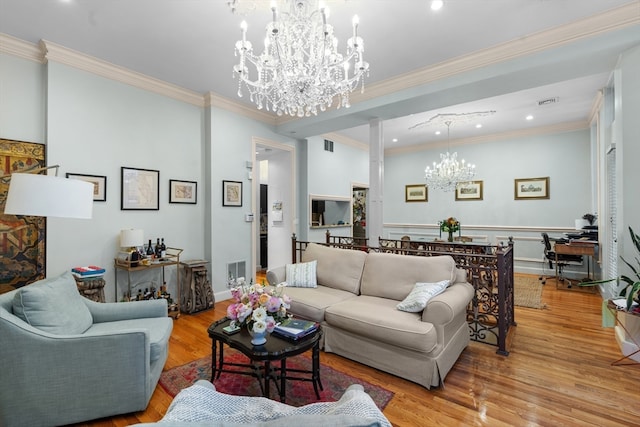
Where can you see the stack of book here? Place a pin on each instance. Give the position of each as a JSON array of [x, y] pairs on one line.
[[296, 329], [88, 271]]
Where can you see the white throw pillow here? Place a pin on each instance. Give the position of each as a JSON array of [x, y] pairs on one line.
[[420, 295], [302, 274]]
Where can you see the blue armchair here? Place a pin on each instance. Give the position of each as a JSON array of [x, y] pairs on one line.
[[65, 359]]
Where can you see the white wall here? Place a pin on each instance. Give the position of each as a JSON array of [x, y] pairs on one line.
[[280, 189], [95, 126]]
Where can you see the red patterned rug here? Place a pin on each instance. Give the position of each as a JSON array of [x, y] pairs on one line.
[[298, 392]]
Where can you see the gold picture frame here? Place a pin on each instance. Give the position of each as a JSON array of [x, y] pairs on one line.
[[471, 190], [531, 188], [416, 193]]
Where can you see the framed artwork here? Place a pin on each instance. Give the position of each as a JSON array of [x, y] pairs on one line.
[[22, 238], [415, 193], [531, 188], [140, 189], [99, 184], [183, 191], [231, 193], [471, 190]]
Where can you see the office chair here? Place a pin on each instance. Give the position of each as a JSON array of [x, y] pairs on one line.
[[563, 261]]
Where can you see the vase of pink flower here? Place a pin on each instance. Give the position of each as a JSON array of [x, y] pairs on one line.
[[257, 307]]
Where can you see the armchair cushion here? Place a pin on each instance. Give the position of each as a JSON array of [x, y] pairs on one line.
[[53, 305]]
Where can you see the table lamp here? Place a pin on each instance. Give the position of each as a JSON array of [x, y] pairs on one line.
[[131, 239]]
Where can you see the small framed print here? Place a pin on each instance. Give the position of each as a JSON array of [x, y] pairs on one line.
[[99, 185], [531, 188], [140, 189], [471, 190], [415, 193], [231, 193], [183, 191]]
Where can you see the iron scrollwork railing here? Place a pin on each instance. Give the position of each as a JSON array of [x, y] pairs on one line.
[[489, 268]]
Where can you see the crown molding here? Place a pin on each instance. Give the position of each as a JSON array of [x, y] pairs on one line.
[[611, 20], [520, 133], [20, 48], [214, 100], [60, 54], [346, 141]]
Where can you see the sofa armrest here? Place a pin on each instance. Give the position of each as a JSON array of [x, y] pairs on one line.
[[443, 308], [113, 311], [276, 275]]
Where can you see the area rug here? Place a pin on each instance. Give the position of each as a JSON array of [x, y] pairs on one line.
[[527, 292], [299, 393]]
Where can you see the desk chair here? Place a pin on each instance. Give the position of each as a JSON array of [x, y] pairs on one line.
[[563, 261]]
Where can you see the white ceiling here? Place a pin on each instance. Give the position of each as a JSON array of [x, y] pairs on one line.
[[190, 43]]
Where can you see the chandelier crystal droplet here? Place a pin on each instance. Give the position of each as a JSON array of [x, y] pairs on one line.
[[300, 70]]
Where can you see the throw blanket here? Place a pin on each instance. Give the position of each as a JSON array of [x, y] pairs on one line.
[[201, 403]]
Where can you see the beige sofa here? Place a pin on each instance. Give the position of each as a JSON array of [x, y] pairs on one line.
[[356, 298]]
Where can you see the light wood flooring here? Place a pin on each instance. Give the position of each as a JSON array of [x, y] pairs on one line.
[[559, 373]]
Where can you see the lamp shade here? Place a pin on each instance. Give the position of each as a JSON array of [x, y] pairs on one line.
[[131, 238], [50, 196]]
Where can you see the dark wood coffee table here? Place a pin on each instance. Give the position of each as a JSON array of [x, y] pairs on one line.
[[275, 349]]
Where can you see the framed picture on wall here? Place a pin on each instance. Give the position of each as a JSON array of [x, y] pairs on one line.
[[140, 189], [183, 191], [415, 193], [99, 185], [471, 190], [231, 193], [531, 188]]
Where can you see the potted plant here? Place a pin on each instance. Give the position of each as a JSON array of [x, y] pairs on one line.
[[631, 288]]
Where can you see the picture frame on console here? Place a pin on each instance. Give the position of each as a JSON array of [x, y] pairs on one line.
[[531, 188], [231, 193], [140, 189], [471, 190], [183, 191], [99, 184], [416, 193]]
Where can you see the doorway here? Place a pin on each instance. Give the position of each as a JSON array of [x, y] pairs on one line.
[[273, 204], [359, 195]]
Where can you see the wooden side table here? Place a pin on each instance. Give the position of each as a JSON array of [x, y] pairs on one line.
[[91, 288]]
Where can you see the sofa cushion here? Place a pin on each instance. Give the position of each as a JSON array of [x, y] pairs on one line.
[[337, 268], [158, 328], [53, 305], [311, 303], [393, 276], [301, 275], [421, 294], [379, 319]]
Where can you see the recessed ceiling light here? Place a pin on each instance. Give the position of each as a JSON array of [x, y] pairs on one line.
[[478, 126], [437, 4], [394, 140], [529, 117], [438, 132]]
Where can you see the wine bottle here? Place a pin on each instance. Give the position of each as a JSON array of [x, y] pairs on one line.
[[158, 255], [163, 249], [150, 249]]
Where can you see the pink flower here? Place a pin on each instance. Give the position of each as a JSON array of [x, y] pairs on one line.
[[273, 304]]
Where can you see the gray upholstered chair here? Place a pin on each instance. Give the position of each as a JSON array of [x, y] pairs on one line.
[[66, 359]]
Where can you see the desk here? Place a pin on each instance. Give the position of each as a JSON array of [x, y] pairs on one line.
[[575, 248]]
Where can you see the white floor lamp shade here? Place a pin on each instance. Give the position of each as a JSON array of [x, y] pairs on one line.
[[49, 196]]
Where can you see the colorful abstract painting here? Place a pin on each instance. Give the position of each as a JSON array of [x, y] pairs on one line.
[[22, 238]]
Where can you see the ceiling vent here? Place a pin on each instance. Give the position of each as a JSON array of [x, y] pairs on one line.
[[548, 101]]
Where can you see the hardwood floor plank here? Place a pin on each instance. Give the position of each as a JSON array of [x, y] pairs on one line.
[[558, 373]]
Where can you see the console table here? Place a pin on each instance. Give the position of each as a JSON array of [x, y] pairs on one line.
[[172, 258]]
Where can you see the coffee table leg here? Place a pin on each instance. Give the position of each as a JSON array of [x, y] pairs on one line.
[[214, 350], [220, 360], [266, 377], [316, 369], [283, 380]]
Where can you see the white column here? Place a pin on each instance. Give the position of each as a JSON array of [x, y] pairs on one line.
[[376, 181]]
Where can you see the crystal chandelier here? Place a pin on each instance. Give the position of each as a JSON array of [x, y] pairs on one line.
[[449, 173], [300, 70]]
